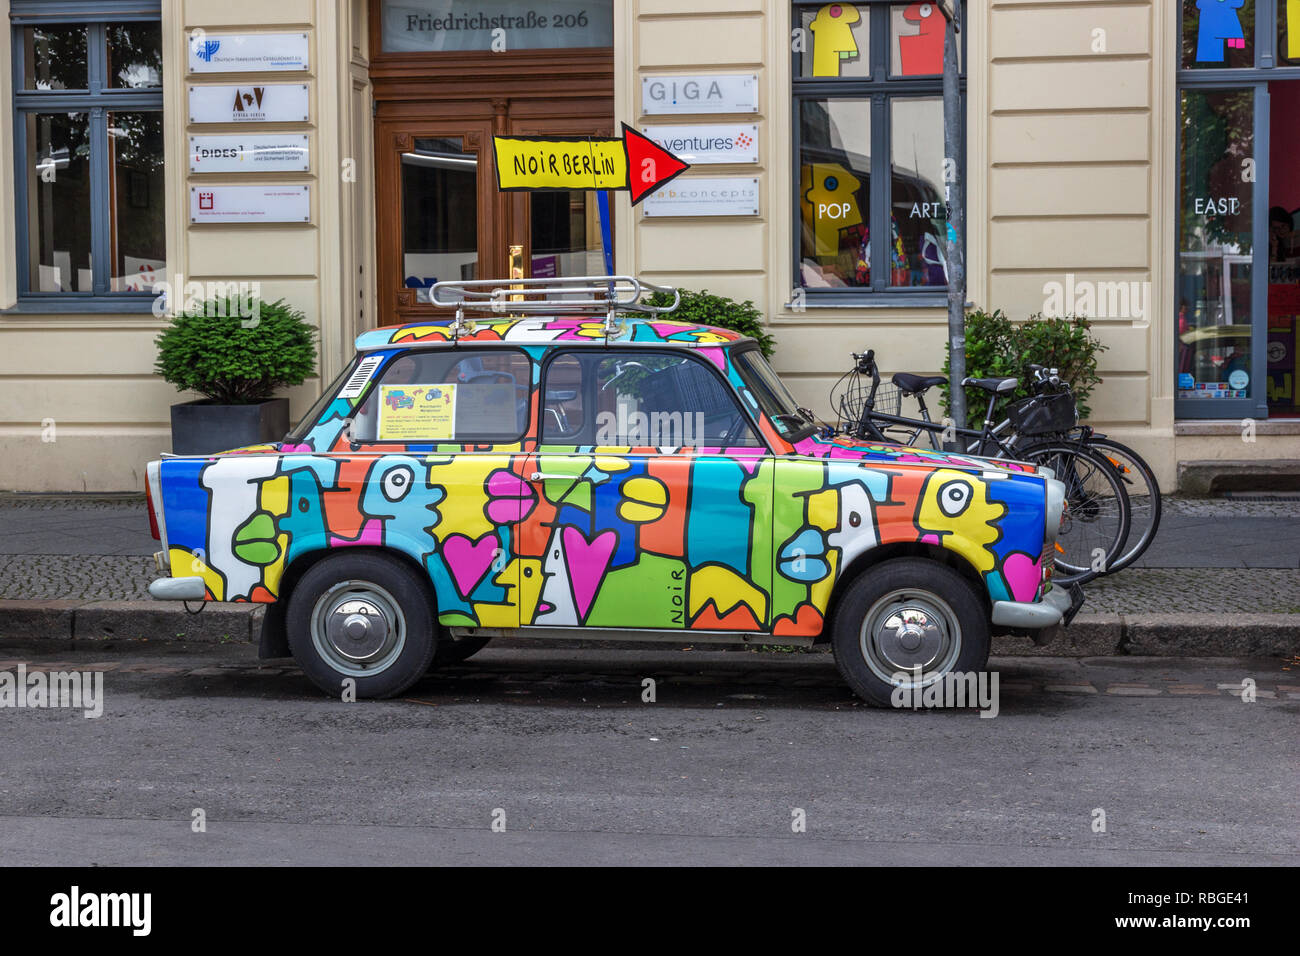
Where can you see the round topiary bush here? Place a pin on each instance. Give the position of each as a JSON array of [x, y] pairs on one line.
[[707, 309], [235, 354]]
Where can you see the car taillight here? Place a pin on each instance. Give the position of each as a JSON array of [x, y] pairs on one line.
[[153, 519]]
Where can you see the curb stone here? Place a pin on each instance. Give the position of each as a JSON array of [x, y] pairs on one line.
[[65, 623]]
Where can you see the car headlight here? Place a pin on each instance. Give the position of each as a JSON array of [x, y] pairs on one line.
[[1055, 509]]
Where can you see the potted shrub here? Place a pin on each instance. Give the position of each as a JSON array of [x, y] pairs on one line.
[[236, 354], [708, 309]]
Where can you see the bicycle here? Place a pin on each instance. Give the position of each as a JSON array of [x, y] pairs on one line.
[[1097, 520]]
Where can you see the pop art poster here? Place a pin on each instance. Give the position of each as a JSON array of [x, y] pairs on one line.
[[417, 412]]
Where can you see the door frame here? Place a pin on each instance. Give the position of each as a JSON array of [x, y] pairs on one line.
[[481, 93]]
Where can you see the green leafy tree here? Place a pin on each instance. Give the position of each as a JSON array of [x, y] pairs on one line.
[[236, 359], [707, 309]]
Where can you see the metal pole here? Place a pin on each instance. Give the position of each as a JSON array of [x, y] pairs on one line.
[[955, 199]]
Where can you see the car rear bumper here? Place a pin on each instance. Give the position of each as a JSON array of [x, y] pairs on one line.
[[1058, 606], [178, 589]]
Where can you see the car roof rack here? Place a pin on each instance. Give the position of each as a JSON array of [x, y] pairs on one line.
[[610, 294]]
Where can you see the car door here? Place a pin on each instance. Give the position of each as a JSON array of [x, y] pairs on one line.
[[653, 505], [440, 471]]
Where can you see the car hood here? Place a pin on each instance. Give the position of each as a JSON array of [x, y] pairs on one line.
[[844, 448]]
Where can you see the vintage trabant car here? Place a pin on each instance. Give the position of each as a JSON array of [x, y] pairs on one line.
[[594, 468]]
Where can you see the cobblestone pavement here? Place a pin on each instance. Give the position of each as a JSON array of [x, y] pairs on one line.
[[1188, 590], [97, 577]]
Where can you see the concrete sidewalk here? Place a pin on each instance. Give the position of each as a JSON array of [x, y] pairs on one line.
[[1223, 577]]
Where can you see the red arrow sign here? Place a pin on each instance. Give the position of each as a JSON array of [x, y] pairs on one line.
[[649, 165], [634, 162]]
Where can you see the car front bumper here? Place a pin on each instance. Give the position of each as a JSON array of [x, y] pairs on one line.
[[1058, 606]]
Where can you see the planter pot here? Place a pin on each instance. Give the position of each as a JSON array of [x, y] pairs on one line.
[[204, 427]]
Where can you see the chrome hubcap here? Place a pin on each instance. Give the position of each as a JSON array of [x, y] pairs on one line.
[[358, 628], [909, 632]]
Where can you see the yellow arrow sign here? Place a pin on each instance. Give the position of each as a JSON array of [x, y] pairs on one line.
[[553, 163], [633, 162]]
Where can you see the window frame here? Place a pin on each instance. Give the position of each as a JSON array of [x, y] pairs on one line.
[[97, 100], [1253, 79], [763, 446], [881, 89]]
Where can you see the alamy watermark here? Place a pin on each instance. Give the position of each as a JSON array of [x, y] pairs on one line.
[[954, 689], [43, 689], [234, 300], [1098, 300], [644, 429]]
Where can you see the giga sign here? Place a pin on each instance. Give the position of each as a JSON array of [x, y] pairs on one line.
[[724, 93]]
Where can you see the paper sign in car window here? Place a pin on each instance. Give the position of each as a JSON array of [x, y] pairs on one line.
[[417, 412]]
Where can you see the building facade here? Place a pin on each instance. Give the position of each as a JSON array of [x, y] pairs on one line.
[[1133, 161]]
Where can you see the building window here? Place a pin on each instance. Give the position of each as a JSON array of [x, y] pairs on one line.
[[89, 154], [868, 152], [1237, 276]]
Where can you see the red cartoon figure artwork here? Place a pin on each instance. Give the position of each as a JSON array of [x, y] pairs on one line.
[[921, 54]]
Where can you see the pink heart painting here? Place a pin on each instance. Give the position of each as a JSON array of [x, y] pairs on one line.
[[469, 560], [587, 561], [1023, 574]]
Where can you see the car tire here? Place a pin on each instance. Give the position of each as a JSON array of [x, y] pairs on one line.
[[362, 616], [951, 634], [457, 650]]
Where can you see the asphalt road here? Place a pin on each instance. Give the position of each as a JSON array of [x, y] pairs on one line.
[[713, 772]]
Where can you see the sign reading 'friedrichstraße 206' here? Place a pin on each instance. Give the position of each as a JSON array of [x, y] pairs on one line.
[[247, 53]]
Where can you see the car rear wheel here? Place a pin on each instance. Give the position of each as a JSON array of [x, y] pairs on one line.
[[906, 623], [363, 617]]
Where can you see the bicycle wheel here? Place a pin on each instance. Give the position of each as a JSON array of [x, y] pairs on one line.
[[1097, 510], [1143, 498]]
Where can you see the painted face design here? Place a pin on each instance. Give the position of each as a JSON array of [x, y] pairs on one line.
[[955, 512]]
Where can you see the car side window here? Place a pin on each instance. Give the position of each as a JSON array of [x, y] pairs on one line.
[[446, 395], [640, 399]]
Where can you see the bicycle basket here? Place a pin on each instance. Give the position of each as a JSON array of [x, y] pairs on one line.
[[1044, 414], [853, 400]]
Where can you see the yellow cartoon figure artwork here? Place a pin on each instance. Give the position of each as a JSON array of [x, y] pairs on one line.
[[830, 204], [833, 41]]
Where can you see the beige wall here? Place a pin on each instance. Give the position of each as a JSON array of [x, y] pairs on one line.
[[1070, 170], [93, 375]]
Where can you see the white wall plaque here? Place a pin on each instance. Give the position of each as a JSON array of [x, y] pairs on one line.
[[267, 103], [270, 152], [705, 145], [701, 93], [247, 53], [250, 203], [704, 197]]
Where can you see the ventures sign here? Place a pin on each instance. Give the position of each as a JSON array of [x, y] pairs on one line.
[[707, 145], [272, 103]]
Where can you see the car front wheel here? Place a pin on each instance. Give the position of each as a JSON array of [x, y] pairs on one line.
[[906, 623], [363, 617]]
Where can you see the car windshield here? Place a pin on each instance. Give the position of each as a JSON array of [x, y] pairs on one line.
[[773, 397], [305, 424]]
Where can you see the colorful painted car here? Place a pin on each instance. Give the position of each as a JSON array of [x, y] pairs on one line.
[[572, 478]]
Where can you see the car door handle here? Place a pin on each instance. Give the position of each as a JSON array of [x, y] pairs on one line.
[[547, 476]]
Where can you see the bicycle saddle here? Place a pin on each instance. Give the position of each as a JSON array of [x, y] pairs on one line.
[[915, 384], [999, 386]]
